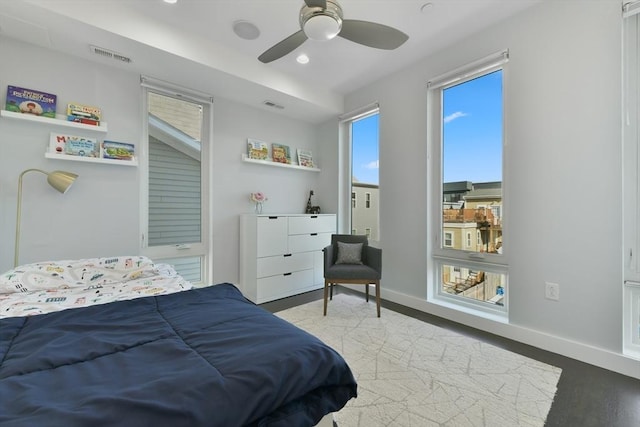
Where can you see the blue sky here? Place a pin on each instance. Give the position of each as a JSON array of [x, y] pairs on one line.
[[472, 134], [365, 149], [472, 114]]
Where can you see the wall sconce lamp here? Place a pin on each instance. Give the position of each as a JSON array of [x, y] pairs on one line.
[[60, 180]]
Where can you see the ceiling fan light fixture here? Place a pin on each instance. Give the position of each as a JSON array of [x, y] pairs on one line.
[[322, 27]]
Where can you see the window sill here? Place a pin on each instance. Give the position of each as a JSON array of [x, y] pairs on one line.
[[471, 309]]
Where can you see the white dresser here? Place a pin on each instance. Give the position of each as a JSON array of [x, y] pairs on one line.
[[281, 255]]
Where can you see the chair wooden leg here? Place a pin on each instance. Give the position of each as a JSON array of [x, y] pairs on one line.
[[326, 291], [378, 297], [331, 291], [366, 291]]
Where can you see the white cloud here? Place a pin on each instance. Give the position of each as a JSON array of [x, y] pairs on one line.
[[373, 165], [452, 117]]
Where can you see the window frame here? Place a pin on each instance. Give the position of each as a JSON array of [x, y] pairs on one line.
[[440, 255], [346, 198], [202, 249]]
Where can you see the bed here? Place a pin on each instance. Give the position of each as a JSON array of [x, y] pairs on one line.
[[142, 347]]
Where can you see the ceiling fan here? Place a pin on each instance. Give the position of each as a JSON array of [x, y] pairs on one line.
[[322, 20]]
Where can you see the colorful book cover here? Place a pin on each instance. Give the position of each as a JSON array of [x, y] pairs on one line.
[[118, 150], [280, 153], [305, 158], [74, 145], [84, 111], [257, 149], [29, 101]]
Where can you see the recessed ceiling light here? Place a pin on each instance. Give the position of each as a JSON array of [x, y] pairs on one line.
[[171, 1], [302, 59], [246, 30]]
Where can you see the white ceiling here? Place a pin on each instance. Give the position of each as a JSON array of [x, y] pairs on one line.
[[192, 43]]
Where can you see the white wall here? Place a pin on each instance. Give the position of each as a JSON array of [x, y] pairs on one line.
[[562, 182], [99, 216]]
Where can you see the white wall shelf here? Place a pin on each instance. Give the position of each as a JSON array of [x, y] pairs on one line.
[[54, 122], [133, 162], [276, 164]]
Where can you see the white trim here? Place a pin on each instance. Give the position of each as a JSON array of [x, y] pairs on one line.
[[593, 355], [481, 66], [360, 112], [178, 91], [630, 9]]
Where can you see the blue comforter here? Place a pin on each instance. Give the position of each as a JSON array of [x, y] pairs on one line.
[[203, 357]]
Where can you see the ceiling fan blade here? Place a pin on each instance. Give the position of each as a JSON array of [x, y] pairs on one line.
[[316, 3], [286, 46], [372, 34]]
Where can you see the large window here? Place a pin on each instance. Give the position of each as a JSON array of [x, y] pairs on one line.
[[466, 134], [175, 215], [361, 134]]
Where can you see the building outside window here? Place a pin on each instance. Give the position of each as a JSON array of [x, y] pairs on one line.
[[465, 125]]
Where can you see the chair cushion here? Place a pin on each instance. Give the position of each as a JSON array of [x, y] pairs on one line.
[[349, 253], [350, 272]]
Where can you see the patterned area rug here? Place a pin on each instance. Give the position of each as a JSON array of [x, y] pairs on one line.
[[411, 373]]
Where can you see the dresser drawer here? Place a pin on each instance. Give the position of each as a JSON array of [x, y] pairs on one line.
[[312, 224], [274, 287], [274, 265], [309, 242], [270, 238]]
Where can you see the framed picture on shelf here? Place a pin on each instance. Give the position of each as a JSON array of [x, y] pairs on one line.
[[257, 150], [280, 153], [305, 158]]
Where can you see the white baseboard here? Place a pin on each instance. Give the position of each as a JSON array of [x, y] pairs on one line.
[[602, 358]]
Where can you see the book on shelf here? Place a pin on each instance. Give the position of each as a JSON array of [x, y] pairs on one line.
[[86, 114], [305, 158], [74, 145], [257, 149], [30, 101], [118, 150], [280, 153]]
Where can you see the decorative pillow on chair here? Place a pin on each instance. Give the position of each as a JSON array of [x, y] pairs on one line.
[[349, 253]]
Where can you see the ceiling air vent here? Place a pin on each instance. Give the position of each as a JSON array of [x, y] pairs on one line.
[[273, 105], [106, 53]]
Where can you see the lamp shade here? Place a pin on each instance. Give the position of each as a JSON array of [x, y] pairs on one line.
[[61, 180]]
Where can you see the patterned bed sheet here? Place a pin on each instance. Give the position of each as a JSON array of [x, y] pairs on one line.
[[59, 285]]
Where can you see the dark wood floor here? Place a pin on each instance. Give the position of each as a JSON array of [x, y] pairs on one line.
[[587, 396]]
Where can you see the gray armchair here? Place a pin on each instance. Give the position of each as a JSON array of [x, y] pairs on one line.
[[350, 260]]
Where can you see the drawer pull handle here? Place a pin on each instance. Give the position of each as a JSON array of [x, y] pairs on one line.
[[314, 216], [286, 255], [314, 234], [273, 217], [287, 274]]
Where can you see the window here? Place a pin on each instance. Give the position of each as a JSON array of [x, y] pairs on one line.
[[175, 219], [631, 180], [448, 239], [359, 141], [465, 127]]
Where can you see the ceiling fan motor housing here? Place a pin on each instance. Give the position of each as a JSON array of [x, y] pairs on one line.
[[321, 23]]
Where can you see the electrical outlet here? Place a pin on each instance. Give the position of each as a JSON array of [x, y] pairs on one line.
[[552, 291]]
